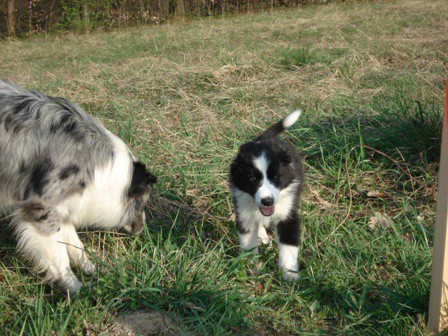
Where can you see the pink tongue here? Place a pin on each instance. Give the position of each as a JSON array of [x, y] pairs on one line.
[[267, 211]]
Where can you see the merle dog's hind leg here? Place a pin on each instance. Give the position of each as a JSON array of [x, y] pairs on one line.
[[48, 252], [288, 232], [75, 249]]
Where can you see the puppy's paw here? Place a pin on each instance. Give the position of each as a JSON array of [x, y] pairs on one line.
[[263, 236], [290, 275], [266, 241]]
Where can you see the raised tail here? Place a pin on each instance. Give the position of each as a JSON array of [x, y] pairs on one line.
[[279, 127]]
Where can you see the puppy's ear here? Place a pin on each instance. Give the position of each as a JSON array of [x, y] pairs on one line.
[[285, 158], [234, 168], [141, 178]]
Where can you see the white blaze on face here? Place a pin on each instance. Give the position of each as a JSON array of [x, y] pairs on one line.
[[267, 189]]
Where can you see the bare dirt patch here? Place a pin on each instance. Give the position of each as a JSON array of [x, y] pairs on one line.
[[138, 323]]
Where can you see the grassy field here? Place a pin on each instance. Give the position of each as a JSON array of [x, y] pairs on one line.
[[370, 80]]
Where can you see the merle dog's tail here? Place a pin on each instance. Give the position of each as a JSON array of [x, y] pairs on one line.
[[279, 127]]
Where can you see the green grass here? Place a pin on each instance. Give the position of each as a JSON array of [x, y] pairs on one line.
[[184, 97], [292, 58]]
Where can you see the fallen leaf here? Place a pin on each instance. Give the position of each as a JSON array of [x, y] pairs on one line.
[[375, 194], [379, 220]]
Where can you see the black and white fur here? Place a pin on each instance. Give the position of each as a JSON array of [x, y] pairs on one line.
[[266, 181], [61, 170]]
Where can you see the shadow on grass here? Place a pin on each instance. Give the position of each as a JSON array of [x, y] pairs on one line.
[[379, 288], [7, 244], [410, 132], [186, 277], [170, 213], [376, 310], [169, 268]]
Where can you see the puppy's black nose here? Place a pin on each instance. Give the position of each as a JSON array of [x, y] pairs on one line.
[[268, 201]]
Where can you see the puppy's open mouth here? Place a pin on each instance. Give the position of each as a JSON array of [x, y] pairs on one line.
[[267, 210]]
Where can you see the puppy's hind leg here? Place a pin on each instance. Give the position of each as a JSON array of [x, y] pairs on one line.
[[76, 251], [48, 253]]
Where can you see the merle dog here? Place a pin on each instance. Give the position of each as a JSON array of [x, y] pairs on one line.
[[61, 170]]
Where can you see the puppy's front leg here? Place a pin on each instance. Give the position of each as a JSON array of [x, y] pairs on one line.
[[288, 232], [263, 235], [248, 235]]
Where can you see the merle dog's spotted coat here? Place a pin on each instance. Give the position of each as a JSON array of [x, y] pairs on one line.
[[60, 170]]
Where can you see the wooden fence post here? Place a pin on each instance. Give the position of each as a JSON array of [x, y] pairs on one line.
[[438, 301]]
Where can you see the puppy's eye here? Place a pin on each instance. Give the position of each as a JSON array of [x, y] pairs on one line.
[[253, 179], [275, 178]]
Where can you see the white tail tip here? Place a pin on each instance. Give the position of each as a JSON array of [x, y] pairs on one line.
[[291, 119]]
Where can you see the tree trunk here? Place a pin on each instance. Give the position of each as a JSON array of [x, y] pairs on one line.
[[30, 18], [163, 10], [179, 11], [85, 16], [143, 13], [10, 20]]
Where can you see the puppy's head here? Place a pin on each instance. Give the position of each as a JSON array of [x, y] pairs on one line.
[[259, 171], [138, 195]]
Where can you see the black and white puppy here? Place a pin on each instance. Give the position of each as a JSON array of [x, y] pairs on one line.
[[61, 170], [266, 181]]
